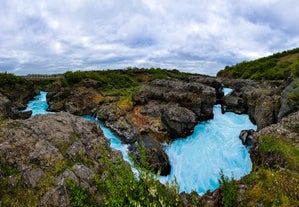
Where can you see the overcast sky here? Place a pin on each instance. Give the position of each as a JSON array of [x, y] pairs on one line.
[[200, 36]]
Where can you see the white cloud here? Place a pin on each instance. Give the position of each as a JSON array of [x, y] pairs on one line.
[[192, 35]]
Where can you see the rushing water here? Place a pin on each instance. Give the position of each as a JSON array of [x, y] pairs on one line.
[[38, 105], [196, 160]]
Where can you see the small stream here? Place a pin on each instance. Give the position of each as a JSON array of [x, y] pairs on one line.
[[196, 160]]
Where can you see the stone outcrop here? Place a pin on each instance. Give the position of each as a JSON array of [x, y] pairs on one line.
[[261, 101], [196, 97], [19, 94], [286, 106], [79, 101], [209, 81], [246, 136], [179, 121], [163, 110], [8, 110], [116, 119], [287, 129], [155, 155], [42, 149]]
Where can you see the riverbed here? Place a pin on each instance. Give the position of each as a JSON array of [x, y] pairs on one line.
[[196, 160]]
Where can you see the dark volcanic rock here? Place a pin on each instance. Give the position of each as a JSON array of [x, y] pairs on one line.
[[32, 177], [8, 110], [80, 101], [39, 147], [261, 101], [266, 110], [287, 129], [246, 136], [286, 107], [115, 119], [155, 155], [234, 102], [210, 81], [196, 97], [14, 113], [19, 94], [178, 121], [55, 197], [5, 104]]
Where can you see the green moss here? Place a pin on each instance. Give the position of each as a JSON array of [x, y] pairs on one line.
[[275, 152], [272, 188], [7, 169]]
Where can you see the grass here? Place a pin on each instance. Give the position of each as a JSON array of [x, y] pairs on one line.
[[275, 178], [272, 188], [274, 67], [275, 152]]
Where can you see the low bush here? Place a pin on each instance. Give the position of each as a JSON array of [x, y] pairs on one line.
[[229, 195]]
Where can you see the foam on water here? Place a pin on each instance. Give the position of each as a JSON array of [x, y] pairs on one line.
[[196, 160], [227, 91], [114, 141], [38, 105]]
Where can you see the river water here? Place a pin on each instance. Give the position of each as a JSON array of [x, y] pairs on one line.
[[196, 160]]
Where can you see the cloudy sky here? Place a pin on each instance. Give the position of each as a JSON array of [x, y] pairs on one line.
[[201, 36]]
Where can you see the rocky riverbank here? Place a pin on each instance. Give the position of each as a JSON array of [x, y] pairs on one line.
[[39, 154], [151, 111]]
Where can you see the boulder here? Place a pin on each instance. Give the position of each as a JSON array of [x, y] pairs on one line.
[[178, 121], [266, 110], [246, 137], [215, 83], [234, 103], [32, 177], [84, 175], [155, 155], [115, 119], [55, 197]]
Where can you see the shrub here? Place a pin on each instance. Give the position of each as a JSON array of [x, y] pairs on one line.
[[79, 196], [9, 79], [273, 67], [229, 191], [121, 187]]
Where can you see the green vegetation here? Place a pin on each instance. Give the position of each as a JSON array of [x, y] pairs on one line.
[[117, 185], [272, 188], [9, 79], [122, 84], [274, 67], [275, 179], [119, 79], [276, 152], [294, 95], [229, 191], [79, 196], [6, 169]]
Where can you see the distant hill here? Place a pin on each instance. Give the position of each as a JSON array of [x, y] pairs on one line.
[[275, 67]]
